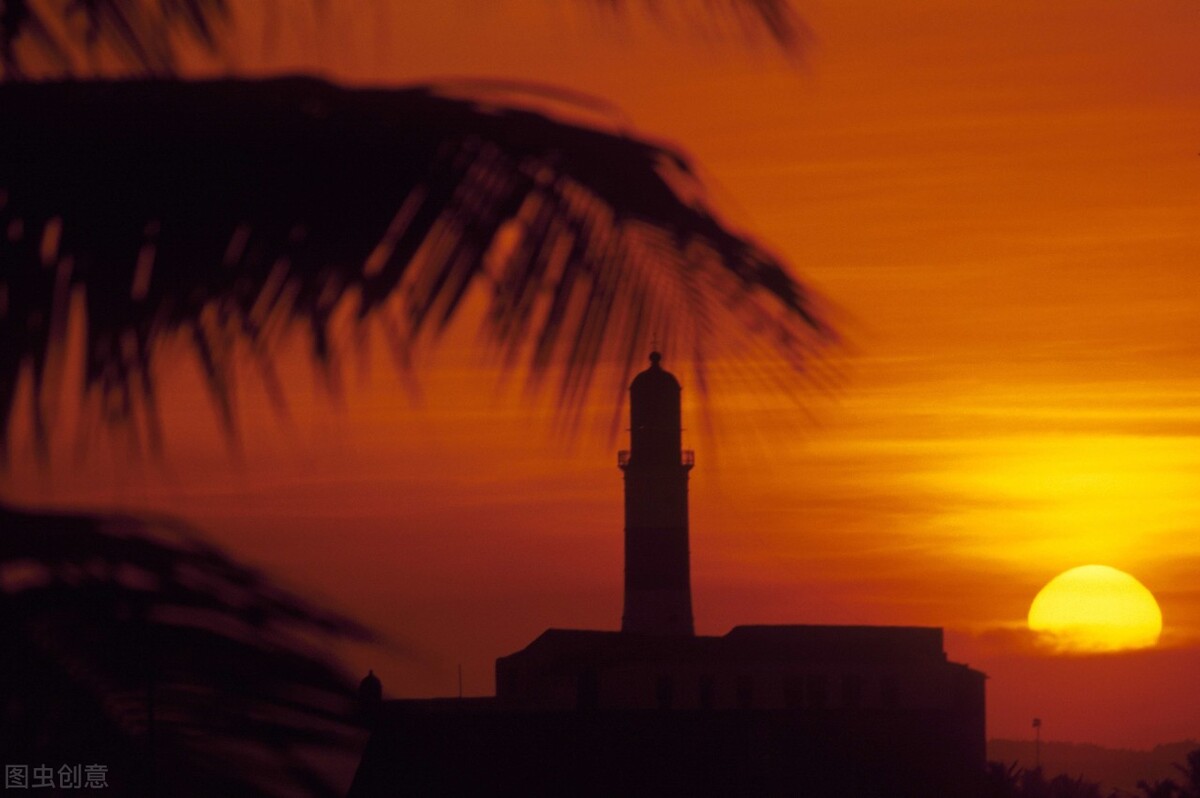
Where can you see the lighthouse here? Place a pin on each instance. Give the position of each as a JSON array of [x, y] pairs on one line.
[[658, 593], [655, 709]]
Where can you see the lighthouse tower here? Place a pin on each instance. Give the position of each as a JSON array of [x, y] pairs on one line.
[[658, 593]]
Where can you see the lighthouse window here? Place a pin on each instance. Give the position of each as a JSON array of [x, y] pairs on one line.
[[587, 693], [665, 692], [889, 692], [818, 691], [745, 692], [852, 691], [793, 691]]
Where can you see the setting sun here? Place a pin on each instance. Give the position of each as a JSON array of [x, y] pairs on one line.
[[1095, 608]]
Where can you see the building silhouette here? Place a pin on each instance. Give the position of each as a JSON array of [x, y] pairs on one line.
[[656, 710]]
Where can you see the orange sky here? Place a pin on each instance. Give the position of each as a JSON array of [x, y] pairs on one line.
[[1001, 200]]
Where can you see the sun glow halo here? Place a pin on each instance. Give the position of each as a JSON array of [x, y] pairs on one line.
[[1093, 609]]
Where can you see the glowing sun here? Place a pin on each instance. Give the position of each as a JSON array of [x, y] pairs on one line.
[[1094, 608]]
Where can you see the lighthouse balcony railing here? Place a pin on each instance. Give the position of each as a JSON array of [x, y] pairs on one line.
[[687, 458]]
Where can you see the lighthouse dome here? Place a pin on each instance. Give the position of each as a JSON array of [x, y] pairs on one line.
[[655, 378]]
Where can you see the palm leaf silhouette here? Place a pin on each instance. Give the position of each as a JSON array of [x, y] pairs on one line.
[[140, 35], [228, 213], [134, 644], [232, 211]]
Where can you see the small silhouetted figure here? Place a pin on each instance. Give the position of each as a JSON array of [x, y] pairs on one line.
[[658, 596], [370, 696]]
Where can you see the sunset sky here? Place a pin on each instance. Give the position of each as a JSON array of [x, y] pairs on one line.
[[1000, 203]]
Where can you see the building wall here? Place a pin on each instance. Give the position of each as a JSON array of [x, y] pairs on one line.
[[820, 702], [832, 686], [477, 751]]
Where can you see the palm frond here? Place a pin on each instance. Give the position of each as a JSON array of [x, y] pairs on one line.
[[775, 19], [68, 37], [138, 645], [230, 212], [59, 38]]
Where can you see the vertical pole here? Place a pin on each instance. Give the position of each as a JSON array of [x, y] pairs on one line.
[[1037, 743], [151, 672], [460, 680]]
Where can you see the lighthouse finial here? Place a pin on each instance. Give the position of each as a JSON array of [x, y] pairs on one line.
[[654, 358]]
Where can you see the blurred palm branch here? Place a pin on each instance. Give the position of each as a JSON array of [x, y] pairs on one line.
[[232, 212], [134, 644], [141, 38]]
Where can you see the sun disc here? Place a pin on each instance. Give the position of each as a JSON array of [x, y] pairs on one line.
[[1095, 608]]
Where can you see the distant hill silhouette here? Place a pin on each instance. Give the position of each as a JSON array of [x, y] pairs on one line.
[[1112, 768]]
